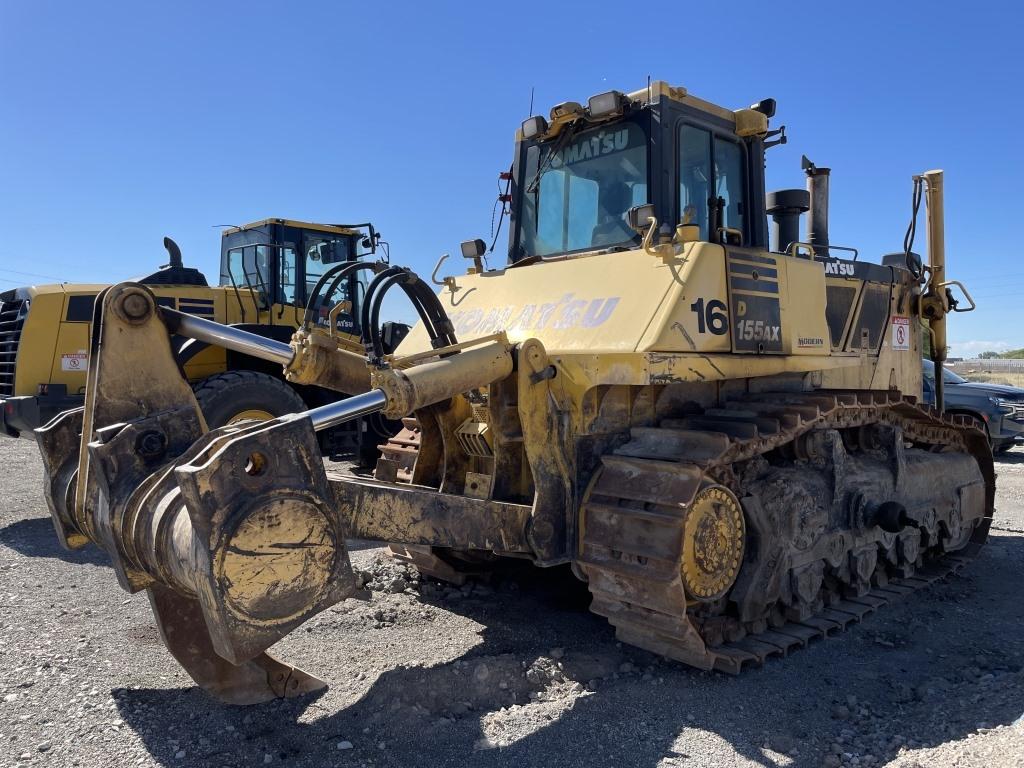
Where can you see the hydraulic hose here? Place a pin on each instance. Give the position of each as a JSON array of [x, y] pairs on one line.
[[339, 273], [426, 303]]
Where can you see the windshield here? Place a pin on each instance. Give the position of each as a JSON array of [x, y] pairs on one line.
[[323, 251], [578, 189], [947, 375]]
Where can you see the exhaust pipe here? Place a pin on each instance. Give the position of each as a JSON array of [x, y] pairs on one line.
[[174, 252], [817, 221]]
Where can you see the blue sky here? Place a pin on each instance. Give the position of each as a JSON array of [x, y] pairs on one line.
[[123, 122]]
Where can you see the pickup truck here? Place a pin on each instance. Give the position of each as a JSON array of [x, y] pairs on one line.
[[998, 408]]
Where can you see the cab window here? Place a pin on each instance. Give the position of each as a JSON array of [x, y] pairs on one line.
[[288, 273], [247, 268], [694, 177], [322, 253], [729, 182], [580, 189], [710, 176]]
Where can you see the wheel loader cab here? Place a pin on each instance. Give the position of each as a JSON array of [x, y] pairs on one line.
[[576, 177], [273, 266]]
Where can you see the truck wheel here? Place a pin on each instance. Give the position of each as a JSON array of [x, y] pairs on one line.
[[237, 395]]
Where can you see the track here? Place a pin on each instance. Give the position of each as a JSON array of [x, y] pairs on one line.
[[633, 517], [398, 454]]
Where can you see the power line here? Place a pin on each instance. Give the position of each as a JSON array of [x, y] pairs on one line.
[[30, 274]]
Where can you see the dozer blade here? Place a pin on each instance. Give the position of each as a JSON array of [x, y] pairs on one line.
[[231, 532]]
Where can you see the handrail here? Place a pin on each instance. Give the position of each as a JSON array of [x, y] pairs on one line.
[[794, 247]]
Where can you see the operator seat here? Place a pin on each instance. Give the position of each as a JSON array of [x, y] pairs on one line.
[[612, 227]]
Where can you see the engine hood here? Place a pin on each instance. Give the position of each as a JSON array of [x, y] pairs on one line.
[[29, 292], [1006, 392]]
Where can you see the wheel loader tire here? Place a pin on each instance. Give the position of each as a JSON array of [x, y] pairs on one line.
[[235, 395]]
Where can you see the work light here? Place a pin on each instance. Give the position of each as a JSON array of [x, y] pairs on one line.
[[606, 104], [534, 126]]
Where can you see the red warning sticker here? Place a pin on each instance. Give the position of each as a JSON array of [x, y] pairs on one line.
[[900, 332]]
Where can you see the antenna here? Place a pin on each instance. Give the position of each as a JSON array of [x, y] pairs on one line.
[[531, 102], [648, 89]]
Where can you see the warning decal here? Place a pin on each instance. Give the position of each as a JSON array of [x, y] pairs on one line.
[[74, 361], [901, 333]]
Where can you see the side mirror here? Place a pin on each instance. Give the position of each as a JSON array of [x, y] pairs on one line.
[[639, 216]]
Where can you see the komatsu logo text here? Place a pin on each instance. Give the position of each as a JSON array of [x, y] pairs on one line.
[[603, 143], [567, 312], [838, 268]]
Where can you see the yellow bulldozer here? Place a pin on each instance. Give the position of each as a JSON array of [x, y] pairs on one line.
[[269, 274], [718, 430]]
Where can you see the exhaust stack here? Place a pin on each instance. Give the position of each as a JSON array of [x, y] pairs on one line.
[[817, 221]]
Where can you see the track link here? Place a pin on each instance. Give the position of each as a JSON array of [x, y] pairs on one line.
[[631, 534], [398, 454]]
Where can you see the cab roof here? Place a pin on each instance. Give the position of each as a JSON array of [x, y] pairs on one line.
[[334, 229], [744, 122]]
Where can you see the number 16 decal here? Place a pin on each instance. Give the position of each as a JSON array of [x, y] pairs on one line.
[[711, 316]]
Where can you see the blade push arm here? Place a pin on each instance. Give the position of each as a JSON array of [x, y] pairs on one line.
[[234, 531]]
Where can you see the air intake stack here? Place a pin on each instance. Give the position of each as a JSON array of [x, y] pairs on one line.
[[785, 207]]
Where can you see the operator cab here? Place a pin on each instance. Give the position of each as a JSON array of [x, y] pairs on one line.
[[588, 179], [274, 265], [576, 176]]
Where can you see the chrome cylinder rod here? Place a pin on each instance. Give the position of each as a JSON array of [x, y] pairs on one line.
[[332, 414], [228, 337]]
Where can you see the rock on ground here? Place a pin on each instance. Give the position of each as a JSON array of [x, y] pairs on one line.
[[513, 672]]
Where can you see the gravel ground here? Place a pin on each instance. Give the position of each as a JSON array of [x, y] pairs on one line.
[[512, 672]]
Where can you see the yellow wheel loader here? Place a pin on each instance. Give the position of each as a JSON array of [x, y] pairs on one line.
[[269, 271], [719, 431]]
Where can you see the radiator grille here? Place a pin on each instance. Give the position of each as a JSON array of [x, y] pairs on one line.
[[12, 318]]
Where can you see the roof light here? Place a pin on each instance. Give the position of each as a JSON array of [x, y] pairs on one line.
[[567, 110], [534, 126], [765, 106], [606, 104]]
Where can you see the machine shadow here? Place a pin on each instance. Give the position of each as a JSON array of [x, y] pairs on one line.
[[789, 705], [35, 537], [1009, 457]]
